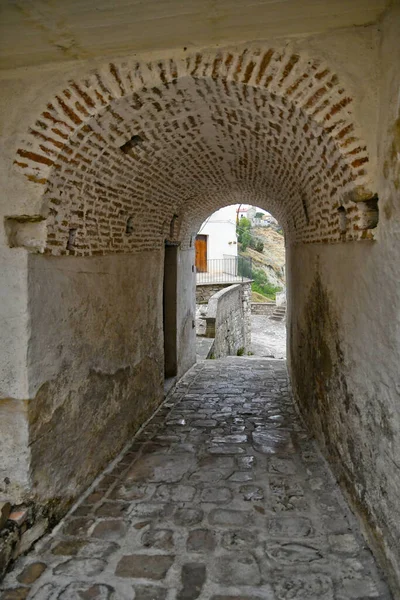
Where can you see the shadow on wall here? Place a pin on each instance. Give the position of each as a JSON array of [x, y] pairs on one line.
[[318, 364], [336, 418]]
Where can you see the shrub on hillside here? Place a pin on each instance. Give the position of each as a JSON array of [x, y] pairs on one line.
[[262, 285]]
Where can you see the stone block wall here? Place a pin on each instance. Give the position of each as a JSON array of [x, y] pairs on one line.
[[228, 320], [263, 308], [205, 291]]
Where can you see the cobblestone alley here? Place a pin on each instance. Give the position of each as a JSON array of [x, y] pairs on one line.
[[222, 496]]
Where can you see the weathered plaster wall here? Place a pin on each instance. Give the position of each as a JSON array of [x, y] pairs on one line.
[[21, 97], [14, 449], [14, 199], [344, 355], [41, 32], [186, 311], [95, 363], [228, 320], [14, 453], [344, 339]]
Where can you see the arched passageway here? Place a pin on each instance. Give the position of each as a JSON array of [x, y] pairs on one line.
[[131, 155], [135, 154]]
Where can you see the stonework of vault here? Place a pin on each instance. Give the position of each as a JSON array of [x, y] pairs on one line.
[[169, 142]]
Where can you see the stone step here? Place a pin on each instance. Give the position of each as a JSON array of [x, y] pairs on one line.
[[279, 314]]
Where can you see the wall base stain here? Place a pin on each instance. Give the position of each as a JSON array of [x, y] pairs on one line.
[[74, 434], [341, 427]]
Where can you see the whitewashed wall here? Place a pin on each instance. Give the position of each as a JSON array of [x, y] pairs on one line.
[[221, 231]]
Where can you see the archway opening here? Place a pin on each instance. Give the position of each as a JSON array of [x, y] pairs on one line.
[[240, 247]]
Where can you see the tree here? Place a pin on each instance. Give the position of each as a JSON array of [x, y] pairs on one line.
[[243, 227], [246, 239]]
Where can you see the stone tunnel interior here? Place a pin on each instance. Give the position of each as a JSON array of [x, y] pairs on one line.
[[113, 170]]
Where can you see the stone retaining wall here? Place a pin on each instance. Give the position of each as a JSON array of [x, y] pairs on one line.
[[263, 308], [206, 290], [229, 320]]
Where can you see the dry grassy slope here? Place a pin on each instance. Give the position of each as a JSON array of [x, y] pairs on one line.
[[272, 259], [256, 297]]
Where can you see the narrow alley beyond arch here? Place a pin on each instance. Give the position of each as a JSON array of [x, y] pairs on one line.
[[221, 496]]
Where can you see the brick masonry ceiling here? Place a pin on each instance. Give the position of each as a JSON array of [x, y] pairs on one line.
[[178, 139]]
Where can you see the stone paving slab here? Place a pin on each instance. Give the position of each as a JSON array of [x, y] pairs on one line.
[[222, 496], [268, 338]]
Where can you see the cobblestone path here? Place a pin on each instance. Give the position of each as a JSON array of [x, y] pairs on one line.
[[222, 496], [268, 337]]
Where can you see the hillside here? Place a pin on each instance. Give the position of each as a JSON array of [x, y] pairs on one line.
[[272, 259]]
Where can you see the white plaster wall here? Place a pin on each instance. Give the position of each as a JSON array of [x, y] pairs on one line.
[[221, 231]]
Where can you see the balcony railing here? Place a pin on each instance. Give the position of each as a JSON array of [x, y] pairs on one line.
[[230, 269]]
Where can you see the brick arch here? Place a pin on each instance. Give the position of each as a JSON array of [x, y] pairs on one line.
[[178, 139]]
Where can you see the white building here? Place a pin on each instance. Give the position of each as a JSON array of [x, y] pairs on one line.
[[218, 234]]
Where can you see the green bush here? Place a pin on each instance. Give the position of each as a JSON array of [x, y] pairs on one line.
[[243, 225], [262, 285], [244, 234], [246, 239]]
